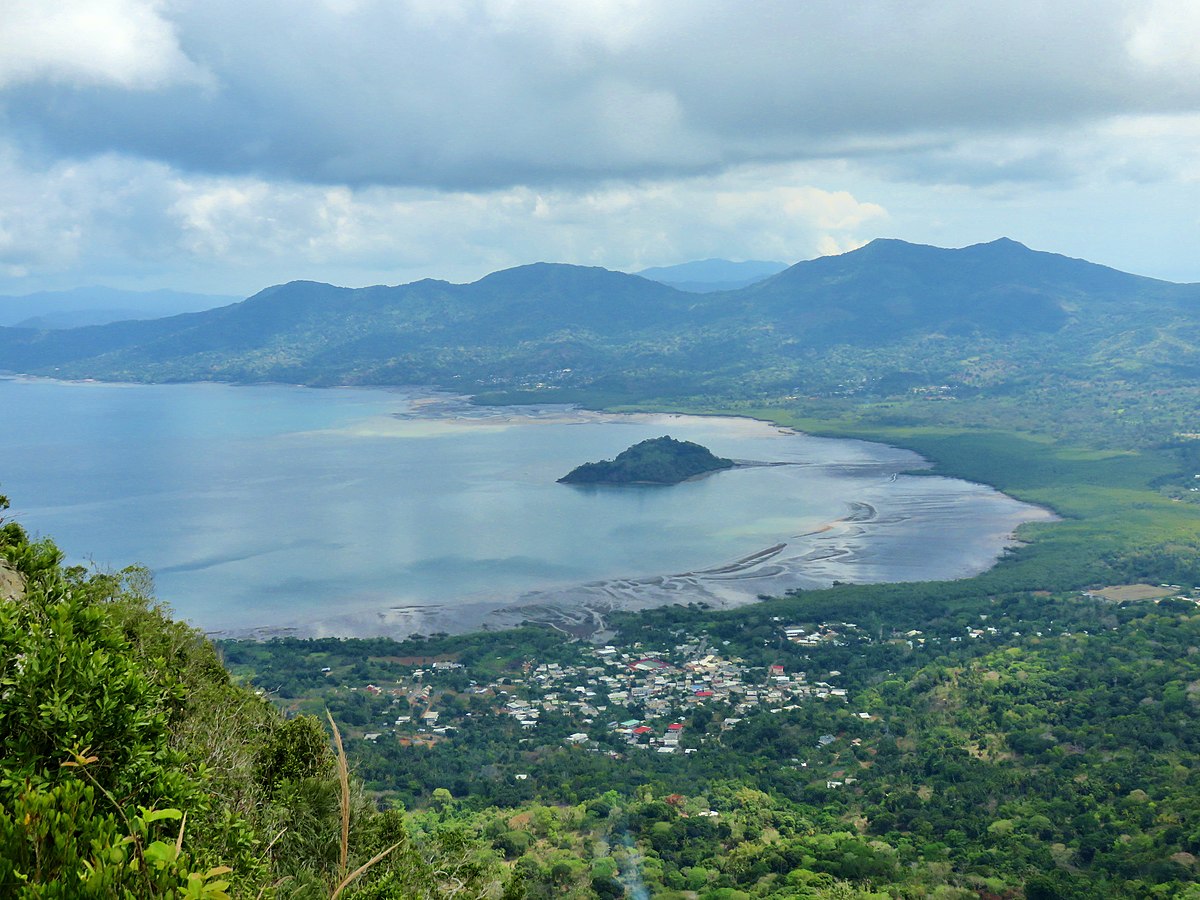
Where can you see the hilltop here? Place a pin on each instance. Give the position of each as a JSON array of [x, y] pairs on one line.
[[662, 460], [1064, 339]]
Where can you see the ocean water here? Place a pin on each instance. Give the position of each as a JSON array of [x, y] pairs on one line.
[[277, 509]]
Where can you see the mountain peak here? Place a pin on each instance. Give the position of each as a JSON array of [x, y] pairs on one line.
[[567, 279], [540, 271], [897, 245], [1000, 245]]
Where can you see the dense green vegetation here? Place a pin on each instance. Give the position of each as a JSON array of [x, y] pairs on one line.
[[1005, 736], [133, 766], [1049, 755], [662, 460]]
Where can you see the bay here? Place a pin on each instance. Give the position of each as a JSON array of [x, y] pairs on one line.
[[285, 510]]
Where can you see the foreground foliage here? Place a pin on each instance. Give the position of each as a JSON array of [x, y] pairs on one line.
[[133, 766]]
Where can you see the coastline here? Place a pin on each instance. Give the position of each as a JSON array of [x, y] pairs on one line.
[[581, 611], [870, 542], [813, 559]]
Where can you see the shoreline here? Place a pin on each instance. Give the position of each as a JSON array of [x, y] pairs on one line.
[[582, 611], [809, 558]]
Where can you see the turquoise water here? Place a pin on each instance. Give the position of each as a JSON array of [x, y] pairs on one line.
[[276, 508]]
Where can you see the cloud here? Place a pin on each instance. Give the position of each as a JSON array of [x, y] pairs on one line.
[[124, 43], [483, 94], [223, 145], [1153, 148], [405, 232], [240, 233], [105, 215], [1165, 36]]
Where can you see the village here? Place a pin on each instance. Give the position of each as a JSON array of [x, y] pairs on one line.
[[655, 688], [646, 698], [668, 696]]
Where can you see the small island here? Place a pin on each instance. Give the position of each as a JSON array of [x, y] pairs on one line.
[[662, 460]]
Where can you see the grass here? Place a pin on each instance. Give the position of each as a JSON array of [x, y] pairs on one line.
[[343, 767]]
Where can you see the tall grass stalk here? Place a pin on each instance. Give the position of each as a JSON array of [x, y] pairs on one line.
[[344, 779]]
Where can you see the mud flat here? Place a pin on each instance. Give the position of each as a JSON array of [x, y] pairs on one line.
[[282, 510], [861, 546]]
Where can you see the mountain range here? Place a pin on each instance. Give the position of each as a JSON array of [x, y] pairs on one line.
[[98, 305], [706, 275], [890, 316]]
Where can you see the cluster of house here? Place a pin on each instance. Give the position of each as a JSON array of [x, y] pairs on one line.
[[662, 693], [538, 381], [658, 692], [841, 633], [827, 632]]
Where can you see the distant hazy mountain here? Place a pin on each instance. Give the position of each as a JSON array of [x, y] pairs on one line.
[[706, 275], [99, 305], [888, 317]]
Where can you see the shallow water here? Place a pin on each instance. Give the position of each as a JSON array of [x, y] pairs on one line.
[[274, 509]]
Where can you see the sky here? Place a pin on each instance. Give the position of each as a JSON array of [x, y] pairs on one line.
[[222, 146]]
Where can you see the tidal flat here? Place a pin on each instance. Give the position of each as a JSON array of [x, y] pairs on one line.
[[274, 509]]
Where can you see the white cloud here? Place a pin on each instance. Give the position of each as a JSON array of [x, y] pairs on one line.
[[1151, 149], [127, 43], [380, 140], [1165, 37], [116, 214], [130, 223], [830, 246], [106, 216], [617, 226]]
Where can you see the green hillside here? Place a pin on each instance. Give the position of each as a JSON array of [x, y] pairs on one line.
[[662, 460], [134, 766], [995, 333]]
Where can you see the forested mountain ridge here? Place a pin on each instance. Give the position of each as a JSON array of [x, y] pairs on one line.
[[998, 288], [891, 320]]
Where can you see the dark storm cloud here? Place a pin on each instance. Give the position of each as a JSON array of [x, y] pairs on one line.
[[483, 95]]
